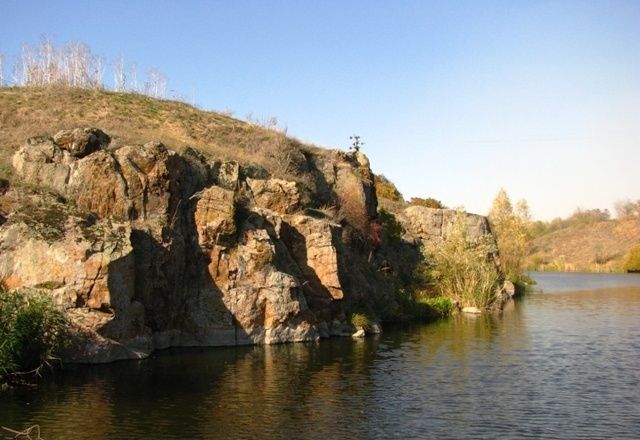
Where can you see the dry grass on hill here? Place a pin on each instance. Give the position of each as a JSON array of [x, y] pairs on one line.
[[134, 119], [600, 246]]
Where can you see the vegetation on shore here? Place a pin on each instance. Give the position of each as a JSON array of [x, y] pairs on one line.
[[632, 260], [31, 331], [457, 271], [511, 229], [463, 269]]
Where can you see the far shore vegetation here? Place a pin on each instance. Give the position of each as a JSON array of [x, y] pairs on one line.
[[589, 240]]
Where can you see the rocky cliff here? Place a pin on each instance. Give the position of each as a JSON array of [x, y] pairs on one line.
[[147, 248]]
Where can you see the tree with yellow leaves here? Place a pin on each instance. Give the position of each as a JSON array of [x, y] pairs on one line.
[[510, 228]]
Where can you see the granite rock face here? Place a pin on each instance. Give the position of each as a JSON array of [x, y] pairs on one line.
[[147, 248], [429, 225]]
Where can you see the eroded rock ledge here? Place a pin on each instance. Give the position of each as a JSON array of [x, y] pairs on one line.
[[147, 248]]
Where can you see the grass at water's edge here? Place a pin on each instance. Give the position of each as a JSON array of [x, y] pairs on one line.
[[32, 329]]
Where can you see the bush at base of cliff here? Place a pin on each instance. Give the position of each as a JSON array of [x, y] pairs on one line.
[[433, 308], [31, 329], [463, 269], [416, 305], [632, 261], [360, 321]]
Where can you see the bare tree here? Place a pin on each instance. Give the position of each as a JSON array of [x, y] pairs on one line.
[[119, 75], [627, 208], [133, 73], [78, 62], [1, 70], [73, 65], [156, 83], [47, 64], [98, 66], [26, 67]]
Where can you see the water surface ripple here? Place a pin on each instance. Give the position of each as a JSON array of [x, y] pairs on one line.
[[562, 363]]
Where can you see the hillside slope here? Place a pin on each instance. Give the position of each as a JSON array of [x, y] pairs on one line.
[[135, 119], [600, 246]]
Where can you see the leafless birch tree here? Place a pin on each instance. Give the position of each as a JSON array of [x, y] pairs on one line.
[[73, 65], [156, 83], [119, 75]]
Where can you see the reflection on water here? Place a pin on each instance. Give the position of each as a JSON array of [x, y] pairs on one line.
[[550, 282], [554, 365]]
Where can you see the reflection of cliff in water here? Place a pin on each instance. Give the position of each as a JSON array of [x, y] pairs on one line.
[[558, 365]]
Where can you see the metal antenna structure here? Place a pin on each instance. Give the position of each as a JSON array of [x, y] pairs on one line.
[[356, 142]]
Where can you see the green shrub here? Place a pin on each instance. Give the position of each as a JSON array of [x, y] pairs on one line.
[[392, 229], [433, 308], [424, 308], [632, 261], [31, 329], [360, 321], [385, 189], [521, 282], [463, 269]]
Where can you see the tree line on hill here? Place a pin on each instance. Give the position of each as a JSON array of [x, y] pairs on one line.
[[75, 65], [623, 209]]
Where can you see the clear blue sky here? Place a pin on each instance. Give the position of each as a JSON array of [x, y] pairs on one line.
[[453, 99]]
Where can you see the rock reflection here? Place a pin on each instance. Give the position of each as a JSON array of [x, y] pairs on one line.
[[560, 365]]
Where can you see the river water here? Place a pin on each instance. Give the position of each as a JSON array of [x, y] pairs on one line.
[[562, 362]]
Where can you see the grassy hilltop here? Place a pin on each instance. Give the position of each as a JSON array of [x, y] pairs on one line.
[[135, 118]]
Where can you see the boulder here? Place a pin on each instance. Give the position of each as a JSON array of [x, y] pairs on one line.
[[90, 267], [430, 224], [81, 142], [215, 216], [355, 192], [314, 244], [228, 174], [509, 289], [135, 182], [266, 303], [277, 195], [345, 180], [40, 163]]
